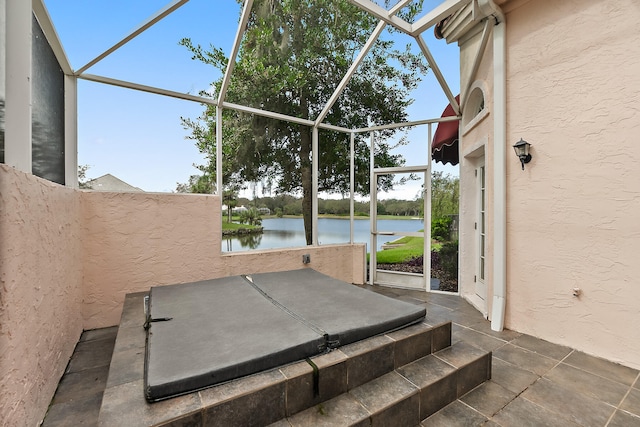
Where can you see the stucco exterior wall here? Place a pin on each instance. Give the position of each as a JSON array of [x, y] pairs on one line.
[[41, 292], [573, 89], [133, 241], [342, 262]]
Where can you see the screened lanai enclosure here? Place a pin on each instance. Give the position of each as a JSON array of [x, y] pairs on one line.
[[309, 97]]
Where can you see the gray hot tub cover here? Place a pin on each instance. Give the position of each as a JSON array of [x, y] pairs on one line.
[[205, 333]]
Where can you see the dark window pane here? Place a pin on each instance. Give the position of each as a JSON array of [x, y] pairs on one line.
[[2, 74], [47, 88]]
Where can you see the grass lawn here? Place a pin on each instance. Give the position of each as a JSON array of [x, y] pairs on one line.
[[411, 247]]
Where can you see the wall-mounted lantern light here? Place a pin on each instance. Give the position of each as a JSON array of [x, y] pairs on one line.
[[522, 151]]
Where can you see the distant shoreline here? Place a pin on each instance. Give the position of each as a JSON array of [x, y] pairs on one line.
[[242, 231]]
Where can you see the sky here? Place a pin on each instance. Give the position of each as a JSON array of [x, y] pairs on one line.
[[137, 136]]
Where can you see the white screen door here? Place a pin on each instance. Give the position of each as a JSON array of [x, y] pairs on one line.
[[385, 230]]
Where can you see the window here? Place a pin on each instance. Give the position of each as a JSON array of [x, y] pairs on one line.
[[2, 73], [474, 108], [47, 92]]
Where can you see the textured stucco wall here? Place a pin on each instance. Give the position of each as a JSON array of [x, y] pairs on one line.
[[137, 240], [573, 89], [343, 262], [40, 294]]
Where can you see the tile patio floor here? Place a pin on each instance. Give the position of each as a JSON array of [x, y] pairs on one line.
[[534, 382]]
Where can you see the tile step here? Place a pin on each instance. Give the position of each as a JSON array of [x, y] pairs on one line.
[[405, 396]]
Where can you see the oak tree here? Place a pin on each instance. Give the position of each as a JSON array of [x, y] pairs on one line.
[[292, 57]]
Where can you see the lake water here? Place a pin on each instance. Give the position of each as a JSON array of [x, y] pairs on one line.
[[289, 232]]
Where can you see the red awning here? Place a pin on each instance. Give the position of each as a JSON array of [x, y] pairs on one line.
[[444, 147]]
